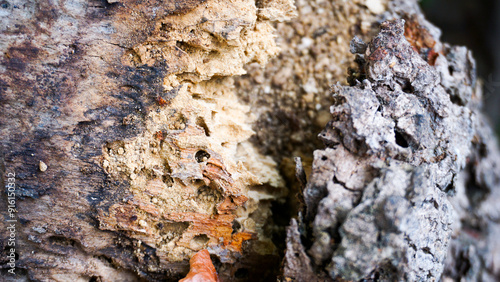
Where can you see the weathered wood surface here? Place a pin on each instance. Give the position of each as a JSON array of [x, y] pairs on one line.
[[64, 93], [80, 77]]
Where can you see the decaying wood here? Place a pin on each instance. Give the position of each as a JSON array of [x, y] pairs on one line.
[[129, 146]]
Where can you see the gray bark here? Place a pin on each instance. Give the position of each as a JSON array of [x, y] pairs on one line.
[[401, 193]]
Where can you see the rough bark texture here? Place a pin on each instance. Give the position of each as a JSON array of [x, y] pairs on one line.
[[400, 191], [135, 145]]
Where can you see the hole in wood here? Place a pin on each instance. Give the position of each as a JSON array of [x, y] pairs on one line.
[[202, 156]]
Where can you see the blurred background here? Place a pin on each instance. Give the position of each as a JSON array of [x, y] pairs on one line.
[[475, 24]]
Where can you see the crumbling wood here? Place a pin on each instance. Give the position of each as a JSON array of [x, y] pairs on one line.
[[129, 147]]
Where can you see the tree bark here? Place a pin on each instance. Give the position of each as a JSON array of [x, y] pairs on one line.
[[136, 133]]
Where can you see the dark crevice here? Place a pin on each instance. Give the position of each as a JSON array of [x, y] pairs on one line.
[[426, 250], [241, 273], [183, 46], [236, 226], [202, 156], [476, 192], [482, 150], [450, 70], [200, 121], [450, 187], [281, 214], [462, 265], [408, 88], [455, 99], [400, 139]]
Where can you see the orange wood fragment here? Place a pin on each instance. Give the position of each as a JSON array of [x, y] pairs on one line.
[[161, 101], [238, 238], [159, 135], [201, 269]]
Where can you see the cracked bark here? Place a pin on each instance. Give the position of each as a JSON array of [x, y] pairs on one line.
[[394, 195]]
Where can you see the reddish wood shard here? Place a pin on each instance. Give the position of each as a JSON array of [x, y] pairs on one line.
[[159, 135], [201, 268], [161, 101]]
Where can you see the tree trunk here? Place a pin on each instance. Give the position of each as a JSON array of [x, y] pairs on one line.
[[136, 133]]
